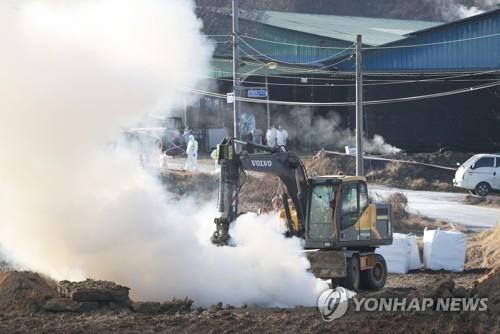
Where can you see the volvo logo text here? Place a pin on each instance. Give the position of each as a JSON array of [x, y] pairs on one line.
[[262, 163]]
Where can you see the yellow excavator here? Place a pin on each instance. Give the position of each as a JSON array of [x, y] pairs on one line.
[[333, 215]]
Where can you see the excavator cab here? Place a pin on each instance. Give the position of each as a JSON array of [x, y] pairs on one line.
[[339, 215]]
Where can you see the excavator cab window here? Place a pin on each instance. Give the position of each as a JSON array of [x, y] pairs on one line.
[[321, 211], [349, 209], [354, 203]]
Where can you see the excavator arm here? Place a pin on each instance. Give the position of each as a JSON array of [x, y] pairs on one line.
[[275, 161]]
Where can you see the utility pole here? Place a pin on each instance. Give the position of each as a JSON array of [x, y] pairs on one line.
[[236, 68], [268, 107], [359, 107]]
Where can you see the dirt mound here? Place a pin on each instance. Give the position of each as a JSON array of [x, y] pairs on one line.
[[94, 291], [489, 287], [324, 164], [24, 291], [483, 250]]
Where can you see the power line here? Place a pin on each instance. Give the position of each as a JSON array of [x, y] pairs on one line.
[[217, 35], [378, 47], [392, 81], [347, 104], [434, 43], [289, 63], [286, 69], [376, 83], [454, 75]]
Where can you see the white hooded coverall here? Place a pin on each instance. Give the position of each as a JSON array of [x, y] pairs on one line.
[[192, 154]]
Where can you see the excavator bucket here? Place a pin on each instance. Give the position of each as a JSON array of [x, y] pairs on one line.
[[221, 235]]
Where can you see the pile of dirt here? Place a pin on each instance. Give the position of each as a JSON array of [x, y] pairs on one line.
[[24, 291], [488, 286], [91, 290], [325, 164], [483, 250]]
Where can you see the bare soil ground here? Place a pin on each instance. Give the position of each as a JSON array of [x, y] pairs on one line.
[[30, 302], [218, 319]]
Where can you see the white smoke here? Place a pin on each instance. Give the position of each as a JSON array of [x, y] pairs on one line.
[[464, 11], [458, 9], [328, 132], [73, 74]]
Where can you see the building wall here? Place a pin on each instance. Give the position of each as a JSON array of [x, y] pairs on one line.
[[292, 53], [282, 52], [467, 122], [476, 54]]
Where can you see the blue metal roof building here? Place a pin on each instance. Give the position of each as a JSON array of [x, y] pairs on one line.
[[400, 60], [312, 39], [468, 44]]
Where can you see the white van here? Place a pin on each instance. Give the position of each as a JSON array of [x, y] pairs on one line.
[[480, 174]]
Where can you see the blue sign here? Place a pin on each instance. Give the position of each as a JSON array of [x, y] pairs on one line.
[[261, 92]]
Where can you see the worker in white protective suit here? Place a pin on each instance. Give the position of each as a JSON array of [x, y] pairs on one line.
[[215, 155], [163, 160], [281, 136], [271, 136], [192, 154]]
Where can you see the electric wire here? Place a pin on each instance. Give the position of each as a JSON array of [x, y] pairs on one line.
[[376, 83], [319, 70], [347, 104], [285, 62], [293, 44], [378, 47]]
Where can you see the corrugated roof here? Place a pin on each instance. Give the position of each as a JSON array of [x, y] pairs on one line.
[[461, 21], [375, 31]]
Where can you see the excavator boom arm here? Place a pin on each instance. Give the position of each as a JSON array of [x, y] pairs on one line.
[[275, 161]]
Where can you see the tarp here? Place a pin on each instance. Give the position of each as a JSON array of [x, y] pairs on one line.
[[444, 250]]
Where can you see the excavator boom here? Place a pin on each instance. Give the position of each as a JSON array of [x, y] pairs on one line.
[[275, 161]]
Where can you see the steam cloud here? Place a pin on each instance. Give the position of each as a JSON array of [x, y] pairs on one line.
[[456, 9], [328, 132], [73, 74]]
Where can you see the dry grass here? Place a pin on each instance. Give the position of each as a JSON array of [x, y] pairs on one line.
[[490, 201], [418, 184], [396, 174], [484, 250]]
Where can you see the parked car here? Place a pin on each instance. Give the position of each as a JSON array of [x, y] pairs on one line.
[[480, 174]]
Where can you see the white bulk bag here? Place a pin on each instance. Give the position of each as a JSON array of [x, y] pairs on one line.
[[414, 261], [444, 250], [397, 255]]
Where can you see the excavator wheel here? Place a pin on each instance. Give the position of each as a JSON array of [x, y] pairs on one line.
[[374, 278], [351, 281]]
